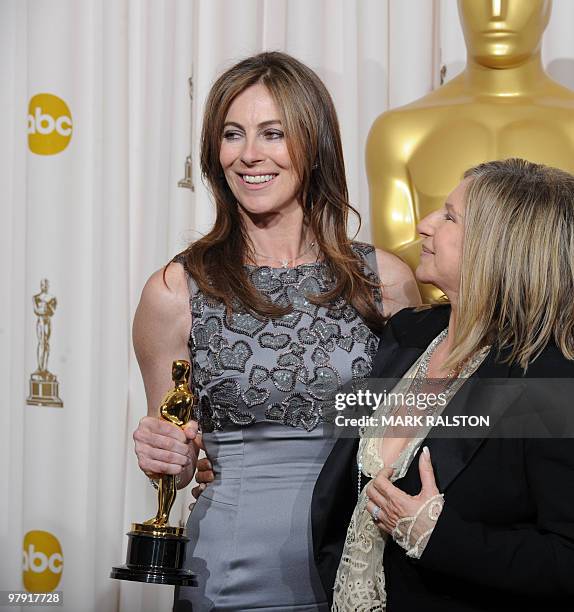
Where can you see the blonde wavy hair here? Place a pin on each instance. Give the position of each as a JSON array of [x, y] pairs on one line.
[[517, 271]]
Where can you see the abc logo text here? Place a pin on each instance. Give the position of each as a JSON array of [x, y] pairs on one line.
[[49, 124], [43, 562]]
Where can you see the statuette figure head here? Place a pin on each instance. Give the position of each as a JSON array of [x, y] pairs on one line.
[[503, 33], [180, 371]]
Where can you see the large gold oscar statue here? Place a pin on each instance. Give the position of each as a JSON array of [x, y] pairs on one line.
[[502, 105]]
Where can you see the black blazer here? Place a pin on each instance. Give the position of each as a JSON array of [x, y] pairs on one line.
[[505, 538]]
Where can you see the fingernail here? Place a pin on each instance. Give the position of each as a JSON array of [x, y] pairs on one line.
[[426, 452]]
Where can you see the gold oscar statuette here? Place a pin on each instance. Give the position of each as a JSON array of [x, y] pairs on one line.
[[43, 384], [156, 551], [503, 104]]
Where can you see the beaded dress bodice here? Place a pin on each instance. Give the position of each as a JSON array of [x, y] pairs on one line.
[[286, 369]]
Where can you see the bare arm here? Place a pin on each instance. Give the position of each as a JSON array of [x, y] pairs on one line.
[[398, 283], [160, 332]]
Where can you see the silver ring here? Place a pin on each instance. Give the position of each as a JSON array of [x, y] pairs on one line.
[[375, 513]]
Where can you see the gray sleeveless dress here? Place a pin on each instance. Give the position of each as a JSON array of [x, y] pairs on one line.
[[266, 388]]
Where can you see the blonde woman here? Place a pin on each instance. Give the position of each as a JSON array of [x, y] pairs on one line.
[[482, 523]]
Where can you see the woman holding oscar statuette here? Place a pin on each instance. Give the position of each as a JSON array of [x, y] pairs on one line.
[[277, 309]]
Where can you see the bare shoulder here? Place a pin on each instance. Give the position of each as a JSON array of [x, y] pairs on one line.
[[391, 267], [166, 287], [388, 123], [386, 131], [398, 283], [166, 293]]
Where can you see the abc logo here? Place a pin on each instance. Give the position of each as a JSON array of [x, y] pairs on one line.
[[43, 562], [49, 124]]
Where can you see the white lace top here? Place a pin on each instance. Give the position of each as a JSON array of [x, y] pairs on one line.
[[360, 582]]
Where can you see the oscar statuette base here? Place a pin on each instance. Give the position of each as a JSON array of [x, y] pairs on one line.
[[44, 390], [156, 555]]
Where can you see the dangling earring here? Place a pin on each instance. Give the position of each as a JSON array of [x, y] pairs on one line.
[[315, 166]]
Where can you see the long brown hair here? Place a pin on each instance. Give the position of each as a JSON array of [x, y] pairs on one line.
[[314, 144], [517, 272]]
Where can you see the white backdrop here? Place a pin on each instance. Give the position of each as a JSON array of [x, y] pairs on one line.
[[97, 217]]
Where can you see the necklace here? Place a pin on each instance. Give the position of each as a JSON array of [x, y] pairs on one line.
[[421, 381], [285, 262], [422, 371]]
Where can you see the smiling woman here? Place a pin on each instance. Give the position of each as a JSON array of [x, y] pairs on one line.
[[255, 159], [442, 232], [285, 309], [271, 116]]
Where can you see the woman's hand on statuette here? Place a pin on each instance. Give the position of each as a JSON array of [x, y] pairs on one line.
[[164, 448], [396, 504]]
